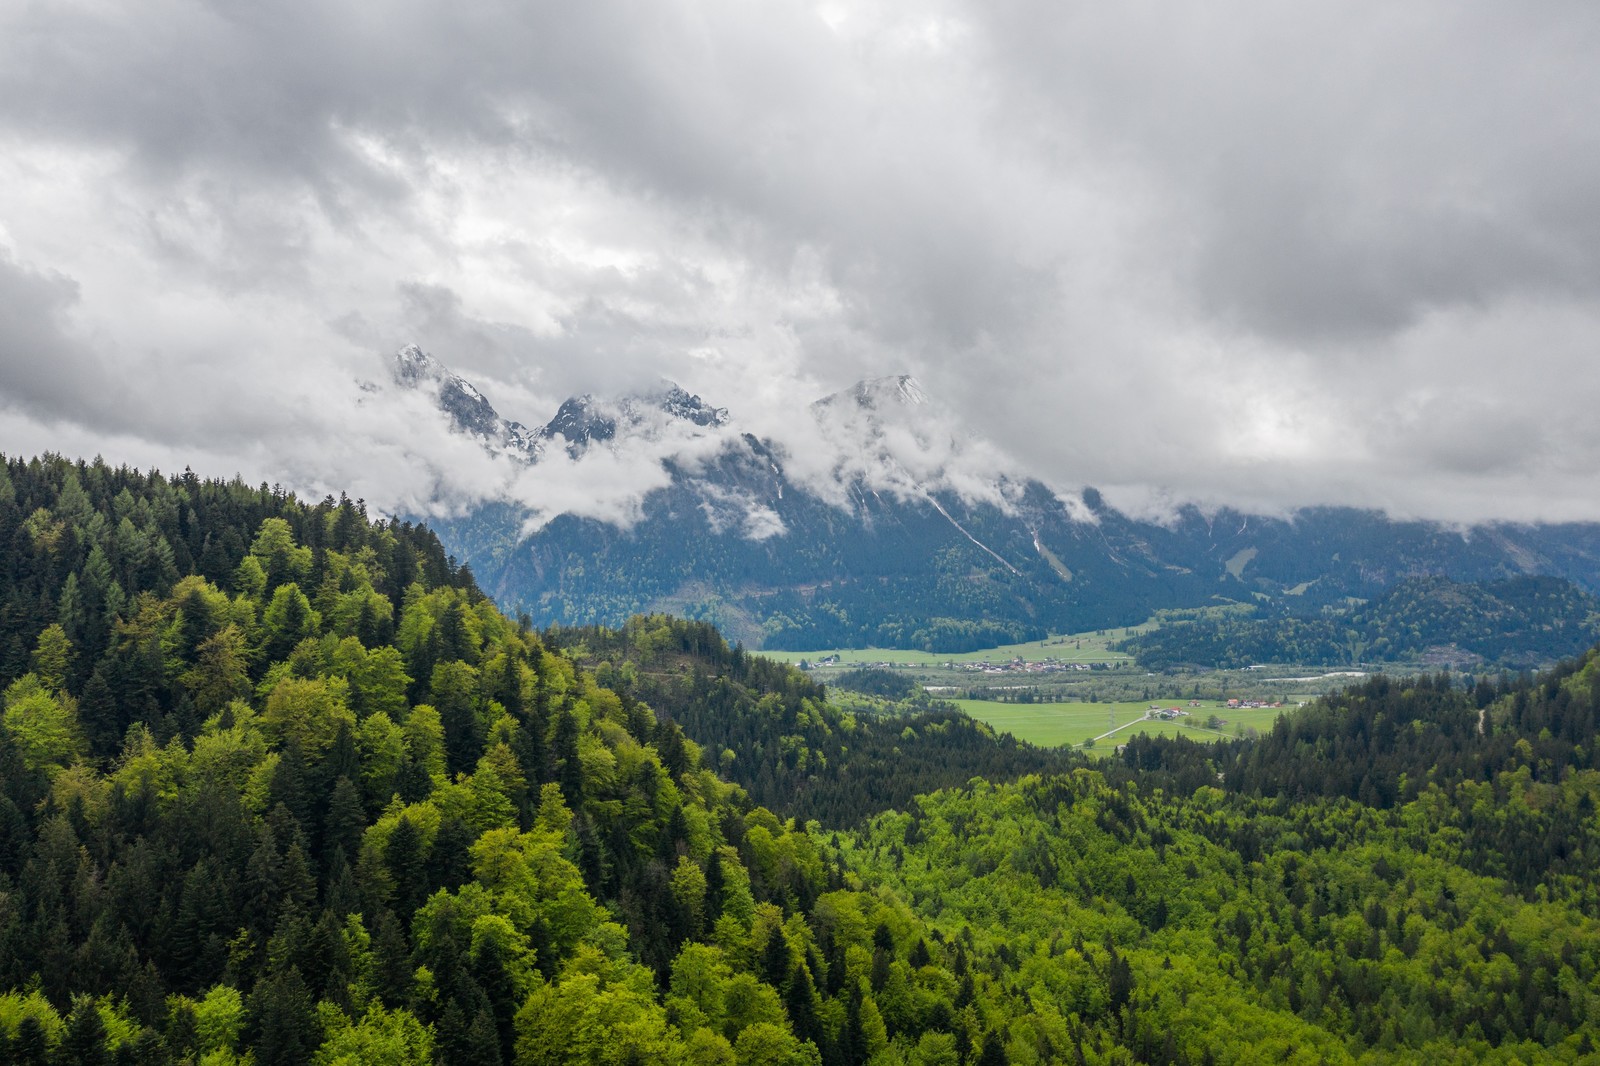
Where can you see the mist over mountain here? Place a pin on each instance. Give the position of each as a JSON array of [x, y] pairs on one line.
[[469, 410], [931, 325], [875, 520]]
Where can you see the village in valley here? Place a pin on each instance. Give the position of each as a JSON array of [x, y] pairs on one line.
[[1016, 665], [1158, 713], [1079, 689], [1026, 666]]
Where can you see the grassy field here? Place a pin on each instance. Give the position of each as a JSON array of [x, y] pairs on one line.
[[1056, 724], [1075, 647]]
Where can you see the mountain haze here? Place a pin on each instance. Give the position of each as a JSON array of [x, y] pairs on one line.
[[278, 784], [894, 531]]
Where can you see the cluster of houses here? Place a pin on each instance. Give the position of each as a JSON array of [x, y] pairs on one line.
[[1012, 666], [1023, 666], [1167, 714]]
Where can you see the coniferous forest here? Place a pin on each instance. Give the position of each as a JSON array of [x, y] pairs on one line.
[[1515, 622], [279, 785]]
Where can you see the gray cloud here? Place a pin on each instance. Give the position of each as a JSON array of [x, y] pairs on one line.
[[1239, 252], [39, 365], [1342, 169]]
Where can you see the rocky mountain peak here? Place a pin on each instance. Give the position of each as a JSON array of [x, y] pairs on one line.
[[876, 394], [470, 410], [681, 403], [582, 420]]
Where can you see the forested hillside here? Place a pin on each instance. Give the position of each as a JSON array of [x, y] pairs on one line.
[[279, 785], [774, 732], [1518, 622]]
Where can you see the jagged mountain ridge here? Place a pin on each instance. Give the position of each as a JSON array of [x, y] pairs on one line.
[[583, 420], [579, 421], [469, 410], [914, 563]]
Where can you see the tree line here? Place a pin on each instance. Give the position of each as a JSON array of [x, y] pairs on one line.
[[290, 789]]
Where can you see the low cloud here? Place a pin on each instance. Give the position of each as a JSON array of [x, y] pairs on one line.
[[1230, 254], [883, 436]]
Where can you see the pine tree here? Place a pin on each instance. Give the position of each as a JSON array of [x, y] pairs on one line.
[[449, 862], [341, 761], [453, 695], [994, 1051], [391, 961], [404, 859], [345, 822], [800, 1001], [84, 1042], [283, 1020], [529, 747], [506, 685], [674, 751], [263, 884], [494, 977], [103, 727], [565, 749], [289, 783], [31, 1046], [411, 781], [52, 659], [1120, 982], [299, 887], [326, 960], [775, 964]]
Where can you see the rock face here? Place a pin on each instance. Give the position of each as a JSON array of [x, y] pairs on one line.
[[469, 409], [886, 547], [583, 420], [579, 422]]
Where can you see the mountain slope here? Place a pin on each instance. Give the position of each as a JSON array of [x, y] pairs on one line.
[[278, 784], [901, 542], [332, 806], [469, 410], [1515, 622]]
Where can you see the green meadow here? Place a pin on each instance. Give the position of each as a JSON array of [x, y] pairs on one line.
[[1058, 724]]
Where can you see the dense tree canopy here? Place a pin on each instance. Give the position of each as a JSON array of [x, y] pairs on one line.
[[279, 785], [1515, 622]]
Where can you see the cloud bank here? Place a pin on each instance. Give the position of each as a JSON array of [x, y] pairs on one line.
[[1240, 253]]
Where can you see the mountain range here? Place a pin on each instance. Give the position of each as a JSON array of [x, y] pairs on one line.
[[889, 528]]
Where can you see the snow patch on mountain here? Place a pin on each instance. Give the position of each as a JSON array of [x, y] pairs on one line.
[[600, 457], [469, 410], [888, 436], [585, 420]]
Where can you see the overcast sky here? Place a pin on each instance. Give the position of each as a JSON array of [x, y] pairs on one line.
[[1258, 253]]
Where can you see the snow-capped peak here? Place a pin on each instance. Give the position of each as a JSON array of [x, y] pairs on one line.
[[413, 365], [681, 403], [584, 419], [900, 388], [875, 394], [468, 408]]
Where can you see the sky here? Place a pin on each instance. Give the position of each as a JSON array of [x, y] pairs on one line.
[[1248, 253]]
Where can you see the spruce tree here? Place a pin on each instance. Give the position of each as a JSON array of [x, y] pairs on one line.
[[283, 1020], [84, 1042], [31, 1046], [564, 747], [404, 858], [392, 972], [775, 963], [344, 823]]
